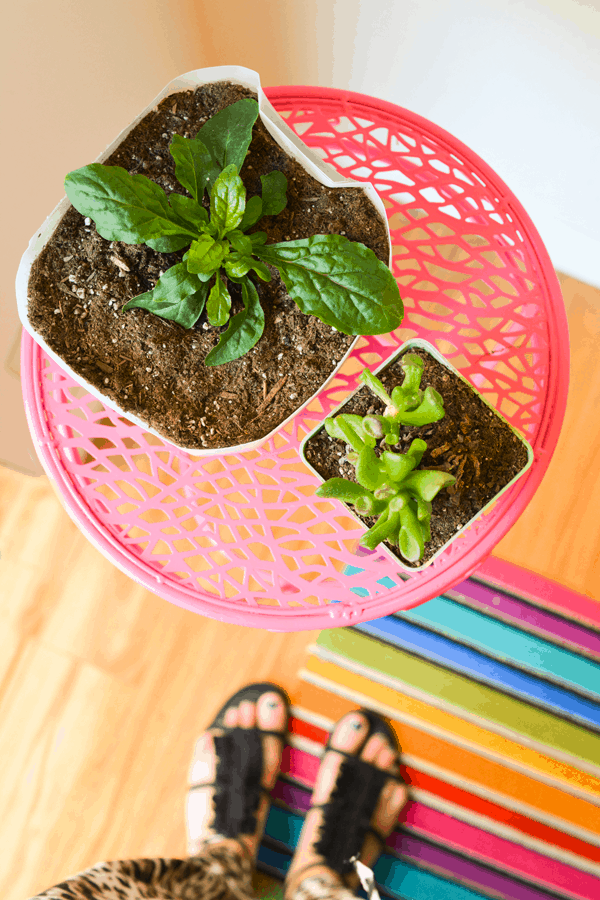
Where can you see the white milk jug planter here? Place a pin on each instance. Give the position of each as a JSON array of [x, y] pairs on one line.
[[418, 412], [138, 316]]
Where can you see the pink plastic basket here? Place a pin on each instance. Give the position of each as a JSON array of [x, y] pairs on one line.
[[240, 537]]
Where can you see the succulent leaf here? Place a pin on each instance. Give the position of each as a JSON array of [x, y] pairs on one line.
[[368, 471], [427, 483], [381, 531], [390, 484], [398, 466]]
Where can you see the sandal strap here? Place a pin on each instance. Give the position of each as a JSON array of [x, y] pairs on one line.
[[213, 784], [370, 828], [348, 813], [238, 781]]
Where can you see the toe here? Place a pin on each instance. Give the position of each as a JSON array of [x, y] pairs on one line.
[[271, 712], [247, 714], [386, 757], [271, 715], [230, 717], [349, 733], [373, 748], [392, 799]]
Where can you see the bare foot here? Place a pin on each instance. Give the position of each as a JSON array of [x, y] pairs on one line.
[[269, 714], [348, 735]]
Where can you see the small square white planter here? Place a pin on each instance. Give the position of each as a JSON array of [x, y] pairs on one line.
[[286, 139], [418, 344]]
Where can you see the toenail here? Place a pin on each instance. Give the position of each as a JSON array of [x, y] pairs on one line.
[[357, 725], [272, 704]]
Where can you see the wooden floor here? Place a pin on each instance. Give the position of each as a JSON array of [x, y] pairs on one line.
[[103, 686]]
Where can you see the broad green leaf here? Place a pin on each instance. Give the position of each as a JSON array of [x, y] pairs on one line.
[[189, 210], [178, 296], [240, 242], [227, 201], [244, 330], [205, 256], [252, 213], [128, 208], [227, 136], [219, 303], [258, 238], [274, 187], [169, 244], [193, 163], [341, 282], [260, 269], [237, 266]]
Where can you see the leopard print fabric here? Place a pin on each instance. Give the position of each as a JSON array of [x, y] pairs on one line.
[[218, 873]]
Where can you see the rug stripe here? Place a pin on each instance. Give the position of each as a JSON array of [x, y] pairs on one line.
[[525, 615], [465, 694], [507, 643], [522, 583], [470, 737], [446, 652]]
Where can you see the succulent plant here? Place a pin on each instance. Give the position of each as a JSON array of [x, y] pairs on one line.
[[389, 486]]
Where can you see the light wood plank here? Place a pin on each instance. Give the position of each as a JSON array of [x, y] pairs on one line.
[[104, 688]]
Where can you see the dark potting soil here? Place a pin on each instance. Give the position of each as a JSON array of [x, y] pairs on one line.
[[154, 368], [470, 442]]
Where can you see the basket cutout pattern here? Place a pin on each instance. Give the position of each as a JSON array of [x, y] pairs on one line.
[[240, 534]]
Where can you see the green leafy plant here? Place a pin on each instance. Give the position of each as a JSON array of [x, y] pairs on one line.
[[341, 282], [389, 486]]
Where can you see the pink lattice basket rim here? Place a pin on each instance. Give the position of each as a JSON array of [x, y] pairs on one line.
[[239, 537]]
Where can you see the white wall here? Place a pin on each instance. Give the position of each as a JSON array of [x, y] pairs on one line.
[[516, 80]]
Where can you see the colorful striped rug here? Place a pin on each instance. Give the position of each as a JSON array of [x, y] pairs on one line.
[[494, 692]]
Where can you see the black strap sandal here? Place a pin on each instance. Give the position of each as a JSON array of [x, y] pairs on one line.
[[348, 812], [239, 769]]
